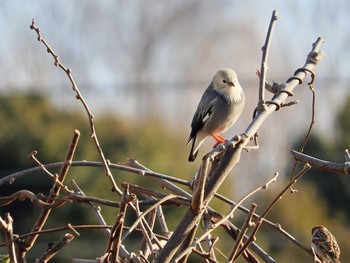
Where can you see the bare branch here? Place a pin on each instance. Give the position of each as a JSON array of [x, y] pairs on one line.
[[225, 218], [53, 230], [54, 249], [96, 210], [80, 97], [247, 223], [340, 168], [29, 242], [278, 197], [264, 67], [22, 195], [197, 200], [117, 230], [7, 227], [232, 156]]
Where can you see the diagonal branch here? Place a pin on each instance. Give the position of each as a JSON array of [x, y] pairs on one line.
[[232, 156], [226, 217], [52, 251], [29, 242]]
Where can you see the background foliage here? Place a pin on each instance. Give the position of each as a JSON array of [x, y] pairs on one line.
[[33, 123]]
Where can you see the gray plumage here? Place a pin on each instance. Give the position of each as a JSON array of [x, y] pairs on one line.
[[219, 108]]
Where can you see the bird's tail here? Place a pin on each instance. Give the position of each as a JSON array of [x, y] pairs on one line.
[[196, 143], [193, 154]]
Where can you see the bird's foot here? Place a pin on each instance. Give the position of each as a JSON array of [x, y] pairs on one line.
[[219, 139]]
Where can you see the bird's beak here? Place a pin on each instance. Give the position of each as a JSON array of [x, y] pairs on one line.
[[231, 83]]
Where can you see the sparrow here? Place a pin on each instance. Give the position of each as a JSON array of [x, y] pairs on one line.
[[219, 108], [324, 245]]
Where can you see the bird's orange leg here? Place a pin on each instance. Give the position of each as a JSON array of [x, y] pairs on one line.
[[219, 139]]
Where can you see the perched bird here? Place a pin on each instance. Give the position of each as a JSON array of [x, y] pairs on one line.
[[219, 108], [324, 245]]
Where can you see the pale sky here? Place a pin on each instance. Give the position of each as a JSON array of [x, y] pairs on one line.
[[157, 57]]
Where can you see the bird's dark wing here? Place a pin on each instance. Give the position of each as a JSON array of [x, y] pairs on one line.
[[203, 112]]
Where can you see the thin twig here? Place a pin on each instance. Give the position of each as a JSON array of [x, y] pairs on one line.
[[210, 243], [233, 231], [7, 227], [132, 168], [146, 246], [312, 122], [141, 217], [47, 172], [54, 230], [247, 223], [267, 210], [225, 218], [52, 251], [80, 97], [29, 242], [114, 241], [147, 236], [96, 210], [265, 53]]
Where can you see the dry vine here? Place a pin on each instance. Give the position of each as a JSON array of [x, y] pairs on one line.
[[166, 245]]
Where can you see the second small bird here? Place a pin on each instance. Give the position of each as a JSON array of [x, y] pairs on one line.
[[219, 108]]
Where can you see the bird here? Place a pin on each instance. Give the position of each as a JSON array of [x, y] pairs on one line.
[[324, 245], [219, 108]]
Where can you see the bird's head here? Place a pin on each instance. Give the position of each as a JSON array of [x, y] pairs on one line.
[[315, 228], [225, 81]]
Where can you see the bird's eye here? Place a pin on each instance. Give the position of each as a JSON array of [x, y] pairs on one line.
[[224, 81]]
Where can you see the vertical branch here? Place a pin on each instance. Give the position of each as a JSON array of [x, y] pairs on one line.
[[146, 246], [114, 242], [242, 233], [210, 243], [7, 227], [264, 67], [197, 200], [312, 121], [162, 222], [147, 233]]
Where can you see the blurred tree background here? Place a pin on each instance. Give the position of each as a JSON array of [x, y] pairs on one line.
[[142, 67]]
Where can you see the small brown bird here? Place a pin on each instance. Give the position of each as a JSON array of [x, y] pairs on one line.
[[219, 108], [324, 245]]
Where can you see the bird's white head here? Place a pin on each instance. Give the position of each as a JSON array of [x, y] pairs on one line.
[[225, 81]]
